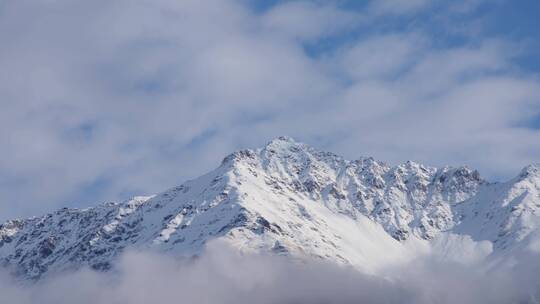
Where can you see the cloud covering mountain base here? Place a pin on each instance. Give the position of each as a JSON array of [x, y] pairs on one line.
[[222, 275]]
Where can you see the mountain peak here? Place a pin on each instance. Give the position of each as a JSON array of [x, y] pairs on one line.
[[532, 170], [283, 143], [282, 147], [285, 139], [306, 201]]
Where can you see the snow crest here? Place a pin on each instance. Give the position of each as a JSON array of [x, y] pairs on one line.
[[288, 198]]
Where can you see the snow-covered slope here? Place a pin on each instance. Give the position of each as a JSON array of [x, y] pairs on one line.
[[290, 199]]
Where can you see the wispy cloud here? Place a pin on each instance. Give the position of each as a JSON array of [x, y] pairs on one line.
[[398, 7], [105, 99]]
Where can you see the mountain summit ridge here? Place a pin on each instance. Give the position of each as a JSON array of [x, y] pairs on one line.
[[287, 198]]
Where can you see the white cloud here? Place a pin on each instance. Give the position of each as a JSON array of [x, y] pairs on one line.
[[381, 56], [107, 98], [309, 20], [221, 275], [398, 7]]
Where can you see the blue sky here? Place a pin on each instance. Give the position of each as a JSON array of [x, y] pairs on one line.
[[106, 99]]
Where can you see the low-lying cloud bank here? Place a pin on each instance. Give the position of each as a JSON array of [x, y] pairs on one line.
[[223, 276]]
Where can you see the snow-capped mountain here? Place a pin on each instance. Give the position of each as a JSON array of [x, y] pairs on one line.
[[290, 199]]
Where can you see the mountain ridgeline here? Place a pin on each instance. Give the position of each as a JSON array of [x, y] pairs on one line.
[[290, 199]]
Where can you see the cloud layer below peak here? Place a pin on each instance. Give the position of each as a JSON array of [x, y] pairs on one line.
[[221, 275]]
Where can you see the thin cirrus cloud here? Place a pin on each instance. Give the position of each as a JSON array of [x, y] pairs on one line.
[[307, 21], [105, 99], [398, 6]]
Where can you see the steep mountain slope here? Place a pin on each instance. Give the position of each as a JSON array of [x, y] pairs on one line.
[[506, 213], [288, 198]]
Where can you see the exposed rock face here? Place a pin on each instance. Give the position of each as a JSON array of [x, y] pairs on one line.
[[286, 198]]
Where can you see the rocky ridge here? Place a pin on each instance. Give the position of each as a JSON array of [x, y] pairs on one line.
[[291, 199]]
